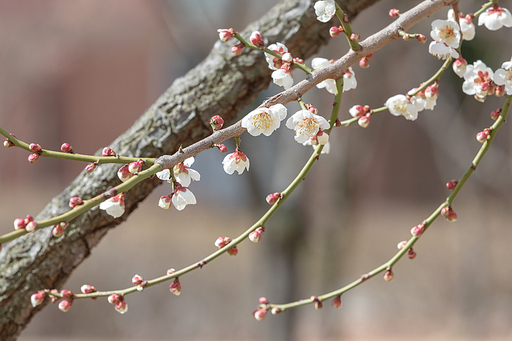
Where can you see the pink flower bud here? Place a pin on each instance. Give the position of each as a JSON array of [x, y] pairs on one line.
[[75, 201], [364, 63], [65, 305], [124, 173], [312, 108], [171, 271], [222, 241], [90, 167], [136, 166], [452, 184], [53, 297], [33, 158], [115, 298], [298, 61], [121, 307], [495, 114], [31, 226], [237, 49], [406, 37], [255, 236], [388, 275], [57, 231], [66, 148], [272, 198], [263, 300], [66, 293], [417, 230], [499, 91], [336, 301], [107, 151], [357, 111], [87, 289], [401, 245], [233, 251], [364, 121], [259, 314], [483, 135], [35, 148], [355, 37], [165, 202], [137, 279], [334, 31], [222, 148], [37, 298], [276, 311], [257, 39], [287, 57], [432, 91], [394, 13], [411, 254], [175, 287], [216, 122], [19, 224], [421, 38], [226, 34]]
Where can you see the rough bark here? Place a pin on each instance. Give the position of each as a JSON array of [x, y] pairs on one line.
[[222, 84]]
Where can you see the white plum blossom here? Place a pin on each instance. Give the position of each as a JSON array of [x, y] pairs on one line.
[[164, 202], [114, 206], [274, 63], [283, 77], [236, 161], [399, 105], [182, 173], [306, 125], [495, 18], [349, 78], [503, 76], [182, 197], [478, 81], [446, 35], [264, 120], [325, 10], [466, 25]]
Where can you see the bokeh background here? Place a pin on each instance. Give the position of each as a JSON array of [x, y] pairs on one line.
[[82, 71]]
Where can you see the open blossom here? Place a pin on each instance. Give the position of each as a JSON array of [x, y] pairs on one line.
[[399, 105], [446, 35], [283, 77], [114, 206], [264, 120], [478, 80], [183, 197], [423, 101], [182, 173], [467, 27], [325, 10], [349, 78], [274, 63], [503, 76], [306, 125], [236, 161], [495, 18]]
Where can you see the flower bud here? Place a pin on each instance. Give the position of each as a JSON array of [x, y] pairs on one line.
[[19, 224], [165, 202], [233, 251], [402, 244], [322, 137], [452, 184], [8, 143], [388, 275], [257, 39], [417, 230], [356, 111], [171, 271], [66, 293], [124, 173], [334, 31], [394, 13], [175, 287], [222, 241], [35, 148], [53, 297], [222, 148], [336, 301], [259, 314], [312, 108], [499, 91], [87, 289], [495, 114], [75, 201], [263, 300], [287, 57], [31, 226], [459, 66], [364, 121], [276, 311], [33, 158], [115, 298], [255, 236], [90, 167], [364, 63], [355, 37], [121, 307], [411, 254], [272, 198], [137, 279], [483, 135], [421, 38], [298, 61], [107, 151], [216, 122], [37, 298], [66, 148], [136, 166], [237, 49], [65, 305], [226, 34]]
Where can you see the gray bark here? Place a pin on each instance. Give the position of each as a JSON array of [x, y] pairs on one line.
[[220, 85]]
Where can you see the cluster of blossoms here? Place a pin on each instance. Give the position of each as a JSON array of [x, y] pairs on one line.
[[182, 176]]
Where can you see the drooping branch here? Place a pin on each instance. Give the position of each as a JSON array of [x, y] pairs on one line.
[[221, 85]]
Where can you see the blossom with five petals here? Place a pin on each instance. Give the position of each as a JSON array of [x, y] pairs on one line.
[[446, 35], [306, 125], [264, 120], [236, 161], [274, 63], [399, 105], [478, 81], [495, 18], [467, 27]]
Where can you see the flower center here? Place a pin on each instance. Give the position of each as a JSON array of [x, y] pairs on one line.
[[508, 75], [307, 126], [263, 120], [401, 107], [447, 33]]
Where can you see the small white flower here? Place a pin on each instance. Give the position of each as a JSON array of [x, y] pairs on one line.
[[398, 105], [466, 25], [275, 63], [114, 206], [503, 76], [164, 202], [236, 161], [306, 125], [495, 18], [264, 120], [446, 31], [183, 197], [283, 77], [325, 10], [349, 78], [477, 80]]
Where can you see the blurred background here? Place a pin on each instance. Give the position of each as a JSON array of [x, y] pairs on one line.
[[83, 71]]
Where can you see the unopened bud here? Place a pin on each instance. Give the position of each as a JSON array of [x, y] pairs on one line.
[[364, 63], [255, 236], [259, 314], [334, 31], [417, 230], [216, 122], [87, 289], [66, 148], [257, 39], [222, 148], [175, 287], [75, 201], [90, 167], [495, 114], [37, 298], [35, 148], [336, 301], [237, 49], [312, 108], [137, 279], [421, 38], [66, 293], [233, 251], [272, 198], [115, 298], [452, 184], [135, 166], [401, 245], [483, 135], [65, 305], [31, 226], [107, 151], [222, 241], [287, 57], [33, 158], [19, 224], [355, 37], [394, 13], [8, 143], [124, 173], [171, 271], [411, 254], [121, 307], [226, 34], [388, 275], [364, 121], [276, 311], [499, 91]]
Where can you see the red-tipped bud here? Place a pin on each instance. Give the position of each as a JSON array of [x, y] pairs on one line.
[[75, 201], [334, 31], [53, 297], [273, 198], [357, 111], [388, 275], [65, 305], [33, 158], [452, 184], [312, 108], [364, 121], [57, 231], [107, 151], [355, 37], [137, 279], [483, 135], [237, 49], [402, 244], [421, 38], [28, 218], [495, 114], [222, 241], [364, 63], [8, 143], [406, 37], [136, 166], [31, 226], [171, 271], [276, 311], [226, 34], [287, 57], [263, 300], [255, 236], [259, 314], [124, 173], [115, 298], [417, 230], [35, 148], [37, 298], [449, 213], [90, 167], [233, 251], [411, 254], [175, 287], [257, 39], [394, 13], [66, 293], [66, 148], [19, 224], [87, 289], [336, 301], [499, 91], [298, 61], [216, 122], [121, 307], [222, 148]]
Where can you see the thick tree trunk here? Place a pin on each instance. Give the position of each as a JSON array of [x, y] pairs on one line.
[[222, 84]]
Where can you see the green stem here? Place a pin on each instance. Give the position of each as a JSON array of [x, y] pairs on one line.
[[484, 8], [347, 28], [434, 78]]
